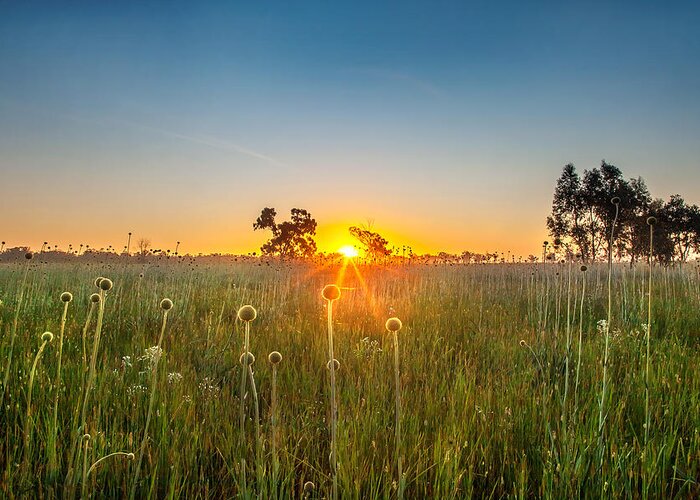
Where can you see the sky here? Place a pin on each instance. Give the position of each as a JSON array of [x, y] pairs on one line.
[[443, 124]]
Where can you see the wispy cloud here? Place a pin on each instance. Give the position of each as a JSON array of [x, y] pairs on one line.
[[422, 85], [212, 142], [208, 141]]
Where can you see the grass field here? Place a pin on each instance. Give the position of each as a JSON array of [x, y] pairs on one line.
[[487, 407]]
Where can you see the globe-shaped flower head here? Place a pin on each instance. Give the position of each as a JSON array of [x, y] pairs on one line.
[[309, 488], [242, 359], [247, 313], [331, 292], [393, 324]]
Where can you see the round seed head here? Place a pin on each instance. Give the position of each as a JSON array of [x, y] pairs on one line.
[[166, 304], [247, 313], [615, 200], [28, 255], [274, 357], [309, 487], [47, 337], [393, 324], [331, 292], [557, 242], [651, 220], [584, 268], [95, 298], [251, 359], [105, 284], [336, 365], [98, 280], [66, 297]]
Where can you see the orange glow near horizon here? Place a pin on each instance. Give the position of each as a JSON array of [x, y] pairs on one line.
[[235, 236], [348, 251]]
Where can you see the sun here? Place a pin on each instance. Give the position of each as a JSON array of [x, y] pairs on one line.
[[348, 251]]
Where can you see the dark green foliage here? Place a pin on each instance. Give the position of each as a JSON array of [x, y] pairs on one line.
[[582, 217]]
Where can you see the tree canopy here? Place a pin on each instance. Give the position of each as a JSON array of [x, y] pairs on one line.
[[375, 245], [292, 238], [582, 217]]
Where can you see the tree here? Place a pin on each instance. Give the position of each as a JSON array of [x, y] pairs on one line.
[[583, 214], [375, 245], [143, 244], [639, 241], [683, 222], [614, 185], [635, 221], [567, 219], [293, 238]]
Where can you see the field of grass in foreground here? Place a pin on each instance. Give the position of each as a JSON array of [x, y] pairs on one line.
[[487, 407]]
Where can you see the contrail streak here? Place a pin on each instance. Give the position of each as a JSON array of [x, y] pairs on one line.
[[210, 141]]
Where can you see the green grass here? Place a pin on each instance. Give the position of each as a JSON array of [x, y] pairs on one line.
[[481, 415]]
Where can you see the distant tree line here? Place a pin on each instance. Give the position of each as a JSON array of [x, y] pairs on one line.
[[582, 217]]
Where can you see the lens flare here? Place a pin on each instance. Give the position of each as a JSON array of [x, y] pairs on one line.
[[348, 251]]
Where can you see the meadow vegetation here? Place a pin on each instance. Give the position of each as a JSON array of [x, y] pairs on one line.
[[500, 373]]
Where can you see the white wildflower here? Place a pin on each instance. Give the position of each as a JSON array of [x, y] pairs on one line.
[[602, 326], [208, 388], [134, 390], [151, 356], [367, 348]]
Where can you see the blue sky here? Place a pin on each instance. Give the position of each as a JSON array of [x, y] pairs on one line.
[[446, 123]]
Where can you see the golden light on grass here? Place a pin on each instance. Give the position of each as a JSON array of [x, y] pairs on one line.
[[66, 298], [393, 325], [166, 305], [46, 338], [275, 359], [331, 293], [247, 314]]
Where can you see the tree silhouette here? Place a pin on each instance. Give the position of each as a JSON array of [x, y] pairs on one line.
[[293, 238], [375, 245], [582, 217], [639, 241], [143, 245], [683, 224], [568, 217]]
